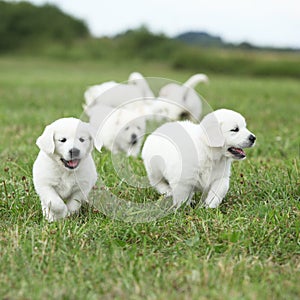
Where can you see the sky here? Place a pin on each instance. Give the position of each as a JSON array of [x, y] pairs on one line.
[[273, 23]]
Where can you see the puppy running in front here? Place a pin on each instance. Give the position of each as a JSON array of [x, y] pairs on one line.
[[64, 171], [181, 157]]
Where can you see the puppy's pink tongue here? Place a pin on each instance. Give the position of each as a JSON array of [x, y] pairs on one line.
[[240, 151], [73, 163]]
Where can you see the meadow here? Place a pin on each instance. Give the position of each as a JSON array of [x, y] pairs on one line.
[[248, 248]]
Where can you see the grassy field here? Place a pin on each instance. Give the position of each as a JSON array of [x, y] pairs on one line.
[[249, 248]]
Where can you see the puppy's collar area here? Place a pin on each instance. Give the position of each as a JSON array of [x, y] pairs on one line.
[[133, 141], [238, 153], [70, 164]]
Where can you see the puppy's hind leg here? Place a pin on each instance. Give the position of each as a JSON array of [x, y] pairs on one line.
[[159, 183], [182, 194], [163, 187], [154, 169]]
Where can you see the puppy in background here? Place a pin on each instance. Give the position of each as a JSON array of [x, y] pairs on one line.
[[115, 94], [64, 171], [184, 102], [181, 157], [119, 129]]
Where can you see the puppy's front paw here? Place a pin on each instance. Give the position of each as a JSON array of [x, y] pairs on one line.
[[52, 215], [212, 202], [73, 206]]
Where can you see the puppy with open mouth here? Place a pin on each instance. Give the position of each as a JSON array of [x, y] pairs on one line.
[[64, 171], [182, 157]]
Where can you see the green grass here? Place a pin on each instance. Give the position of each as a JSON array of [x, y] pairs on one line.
[[247, 249]]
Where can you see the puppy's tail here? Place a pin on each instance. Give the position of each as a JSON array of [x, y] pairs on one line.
[[135, 76], [195, 79], [89, 96]]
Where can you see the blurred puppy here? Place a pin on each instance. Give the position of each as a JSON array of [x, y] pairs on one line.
[[64, 171], [182, 157], [184, 102], [115, 94], [120, 130], [137, 79]]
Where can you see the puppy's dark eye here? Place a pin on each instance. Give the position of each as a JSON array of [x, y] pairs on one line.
[[81, 140], [236, 129], [63, 140], [127, 128]]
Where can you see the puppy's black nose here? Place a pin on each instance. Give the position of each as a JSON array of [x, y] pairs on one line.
[[133, 139], [74, 152], [252, 138]]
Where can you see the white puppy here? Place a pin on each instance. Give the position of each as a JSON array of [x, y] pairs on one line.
[[139, 80], [93, 94], [64, 171], [182, 157], [187, 103], [115, 94], [120, 130], [135, 96]]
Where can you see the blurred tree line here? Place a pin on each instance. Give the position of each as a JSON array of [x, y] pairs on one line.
[[24, 25], [26, 29]]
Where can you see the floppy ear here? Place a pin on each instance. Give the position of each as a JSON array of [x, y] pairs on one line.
[[212, 131], [96, 139], [46, 141]]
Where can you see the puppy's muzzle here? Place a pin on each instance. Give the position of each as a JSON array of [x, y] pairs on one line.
[[239, 153], [74, 161], [134, 139]]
